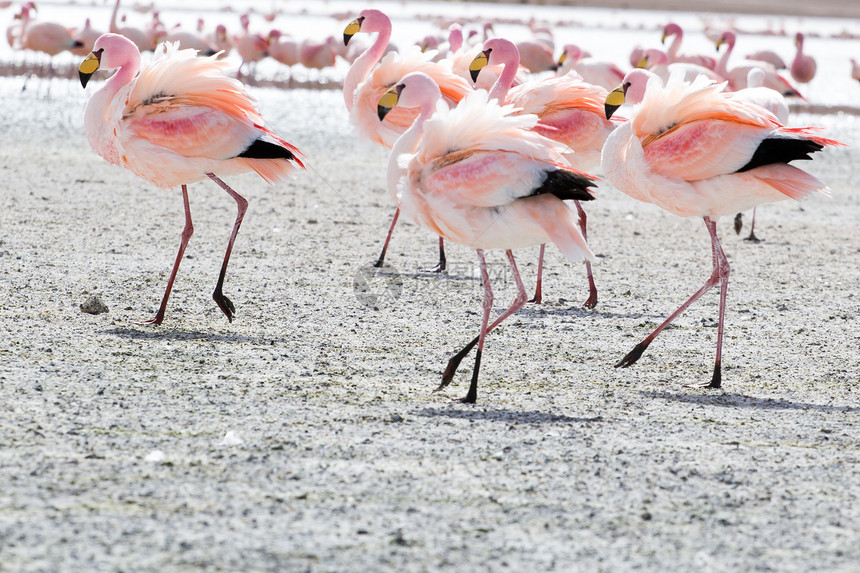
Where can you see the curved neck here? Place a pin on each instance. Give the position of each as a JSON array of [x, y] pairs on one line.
[[675, 46], [406, 143], [113, 27], [723, 65], [362, 65], [499, 91]]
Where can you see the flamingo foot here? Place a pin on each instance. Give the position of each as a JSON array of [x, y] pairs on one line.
[[472, 395], [454, 363], [225, 304], [716, 380], [439, 268], [537, 299], [752, 238], [633, 355], [591, 301], [154, 321]]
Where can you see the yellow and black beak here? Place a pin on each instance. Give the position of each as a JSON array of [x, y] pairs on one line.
[[352, 29], [89, 66], [719, 43], [663, 38], [562, 58], [388, 100], [642, 63], [615, 99], [479, 63]]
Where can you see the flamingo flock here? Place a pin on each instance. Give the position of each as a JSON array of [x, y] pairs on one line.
[[494, 144]]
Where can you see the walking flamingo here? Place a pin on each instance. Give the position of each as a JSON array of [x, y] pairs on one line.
[[179, 120], [364, 85], [569, 111], [803, 66], [481, 176], [696, 152]]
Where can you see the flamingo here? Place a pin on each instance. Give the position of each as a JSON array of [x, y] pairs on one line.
[[364, 85], [536, 56], [675, 31], [318, 55], [658, 63], [480, 175], [221, 40], [803, 66], [696, 152], [598, 72], [179, 120], [136, 35], [187, 40], [772, 101], [737, 75], [251, 47], [283, 49], [569, 111], [87, 37], [47, 37]]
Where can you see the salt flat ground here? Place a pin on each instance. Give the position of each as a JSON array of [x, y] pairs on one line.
[[307, 435]]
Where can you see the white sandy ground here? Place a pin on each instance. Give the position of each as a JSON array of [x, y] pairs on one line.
[[307, 436]]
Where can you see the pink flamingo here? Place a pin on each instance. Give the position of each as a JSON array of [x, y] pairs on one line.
[[136, 35], [221, 40], [593, 71], [673, 30], [772, 101], [696, 152], [536, 56], [365, 84], [483, 177], [283, 49], [803, 66], [318, 55], [251, 47], [658, 63], [176, 121], [187, 40], [737, 75], [47, 37], [87, 36], [569, 111]]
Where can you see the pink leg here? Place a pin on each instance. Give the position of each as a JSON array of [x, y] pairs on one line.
[[720, 274], [518, 303], [538, 298], [591, 301], [223, 302], [186, 235], [752, 238], [381, 260]]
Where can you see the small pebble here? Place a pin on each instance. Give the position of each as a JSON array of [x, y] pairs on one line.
[[94, 305]]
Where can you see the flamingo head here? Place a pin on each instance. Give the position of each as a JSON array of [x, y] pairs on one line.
[[495, 51], [368, 20], [416, 89], [632, 90], [110, 51], [670, 29], [728, 38], [798, 40]]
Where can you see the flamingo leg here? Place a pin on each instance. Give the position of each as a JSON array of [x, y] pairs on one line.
[[752, 238], [538, 297], [591, 301], [518, 303], [381, 260], [224, 303], [720, 274], [443, 261], [187, 231]]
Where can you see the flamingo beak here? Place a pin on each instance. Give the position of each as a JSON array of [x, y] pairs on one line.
[[719, 44], [562, 58], [663, 38], [351, 30], [642, 63], [478, 64], [388, 100], [614, 100], [89, 66]]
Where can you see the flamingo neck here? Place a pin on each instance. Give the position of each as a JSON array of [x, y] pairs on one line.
[[362, 65], [723, 65], [97, 124], [675, 46], [406, 143], [499, 91], [113, 27]]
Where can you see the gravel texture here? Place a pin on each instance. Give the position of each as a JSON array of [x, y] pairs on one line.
[[307, 436]]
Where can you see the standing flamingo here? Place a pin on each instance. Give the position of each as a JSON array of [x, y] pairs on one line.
[[176, 121], [803, 66], [252, 47], [696, 152], [569, 111], [673, 30], [366, 82], [737, 75], [481, 176]]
